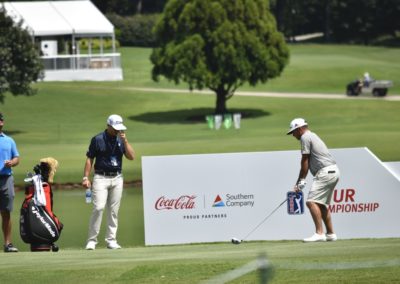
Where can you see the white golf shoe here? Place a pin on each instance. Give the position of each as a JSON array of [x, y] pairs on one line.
[[113, 245], [91, 245], [331, 237], [315, 238]]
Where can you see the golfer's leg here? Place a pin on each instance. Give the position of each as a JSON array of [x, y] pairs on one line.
[[113, 204], [326, 217], [316, 215], [6, 226], [99, 196], [331, 182]]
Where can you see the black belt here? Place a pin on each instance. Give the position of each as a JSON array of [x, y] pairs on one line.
[[107, 174], [331, 172]]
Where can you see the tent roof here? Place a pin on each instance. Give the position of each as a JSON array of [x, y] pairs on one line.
[[47, 18]]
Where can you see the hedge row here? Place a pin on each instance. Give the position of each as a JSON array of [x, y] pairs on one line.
[[96, 43], [134, 30]]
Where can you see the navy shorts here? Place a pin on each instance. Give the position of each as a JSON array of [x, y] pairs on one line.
[[6, 193]]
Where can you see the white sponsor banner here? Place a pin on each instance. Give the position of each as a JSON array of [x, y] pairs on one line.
[[215, 197], [394, 168]]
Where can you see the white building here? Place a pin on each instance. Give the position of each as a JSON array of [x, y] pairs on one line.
[[76, 40]]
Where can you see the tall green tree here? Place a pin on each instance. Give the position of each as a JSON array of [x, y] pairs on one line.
[[218, 44], [364, 21], [20, 64], [345, 21], [129, 7]]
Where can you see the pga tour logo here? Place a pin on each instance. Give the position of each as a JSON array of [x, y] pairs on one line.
[[182, 202], [295, 203]]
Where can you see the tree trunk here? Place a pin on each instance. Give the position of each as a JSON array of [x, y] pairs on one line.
[[221, 101], [327, 21], [139, 7], [280, 14]]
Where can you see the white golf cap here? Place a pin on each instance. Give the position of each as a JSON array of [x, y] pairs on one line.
[[115, 121], [296, 123]]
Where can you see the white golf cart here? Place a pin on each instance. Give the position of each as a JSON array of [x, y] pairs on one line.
[[378, 88]]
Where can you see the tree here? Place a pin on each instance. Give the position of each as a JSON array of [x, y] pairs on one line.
[[130, 7], [300, 17], [20, 63], [364, 21], [218, 44]]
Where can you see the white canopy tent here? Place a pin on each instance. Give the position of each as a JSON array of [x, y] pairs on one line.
[[49, 18], [51, 21]]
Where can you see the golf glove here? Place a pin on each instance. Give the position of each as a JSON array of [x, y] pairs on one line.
[[301, 184]]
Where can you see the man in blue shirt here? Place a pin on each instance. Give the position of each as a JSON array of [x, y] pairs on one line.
[[9, 157], [106, 150]]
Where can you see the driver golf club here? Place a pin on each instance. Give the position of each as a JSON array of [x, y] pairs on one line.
[[237, 241]]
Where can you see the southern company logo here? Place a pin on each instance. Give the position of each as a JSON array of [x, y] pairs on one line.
[[218, 202], [234, 200]]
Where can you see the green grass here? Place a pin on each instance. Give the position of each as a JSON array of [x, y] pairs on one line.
[[347, 261], [74, 213], [328, 69], [60, 120], [312, 68]]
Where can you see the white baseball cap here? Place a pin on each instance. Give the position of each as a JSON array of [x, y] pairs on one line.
[[296, 123], [115, 121]]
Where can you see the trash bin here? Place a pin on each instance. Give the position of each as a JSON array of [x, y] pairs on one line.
[[210, 121], [227, 121], [236, 120], [218, 121]]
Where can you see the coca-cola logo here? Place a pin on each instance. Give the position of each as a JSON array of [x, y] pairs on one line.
[[182, 202]]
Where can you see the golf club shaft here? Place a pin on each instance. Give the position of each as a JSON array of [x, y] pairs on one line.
[[264, 219]]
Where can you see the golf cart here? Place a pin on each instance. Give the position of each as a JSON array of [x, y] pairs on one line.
[[378, 88]]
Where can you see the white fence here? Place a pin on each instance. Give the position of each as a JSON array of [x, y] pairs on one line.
[[94, 67], [93, 61]]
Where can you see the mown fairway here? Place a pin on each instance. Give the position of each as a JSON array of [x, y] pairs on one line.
[[312, 68], [74, 213], [350, 261], [60, 120]]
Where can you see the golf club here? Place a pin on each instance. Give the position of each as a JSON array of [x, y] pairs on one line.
[[237, 241]]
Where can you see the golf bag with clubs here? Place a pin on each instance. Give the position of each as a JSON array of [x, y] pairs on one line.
[[39, 226]]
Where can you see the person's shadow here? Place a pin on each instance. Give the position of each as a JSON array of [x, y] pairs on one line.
[[13, 132]]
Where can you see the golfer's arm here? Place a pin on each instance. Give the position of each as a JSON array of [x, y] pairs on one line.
[[88, 167], [129, 152], [14, 161], [304, 166]]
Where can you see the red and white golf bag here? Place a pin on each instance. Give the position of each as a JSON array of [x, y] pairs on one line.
[[39, 226]]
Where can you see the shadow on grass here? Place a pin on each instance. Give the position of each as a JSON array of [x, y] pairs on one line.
[[190, 116], [13, 132]]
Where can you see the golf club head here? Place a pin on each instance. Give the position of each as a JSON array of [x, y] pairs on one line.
[[28, 179], [236, 241]]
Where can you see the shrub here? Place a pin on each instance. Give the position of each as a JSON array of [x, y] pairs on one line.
[[134, 30], [96, 43]]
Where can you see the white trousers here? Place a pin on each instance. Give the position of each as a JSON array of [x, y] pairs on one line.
[[106, 192]]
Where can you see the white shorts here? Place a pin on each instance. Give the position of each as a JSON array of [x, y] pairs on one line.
[[323, 185]]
